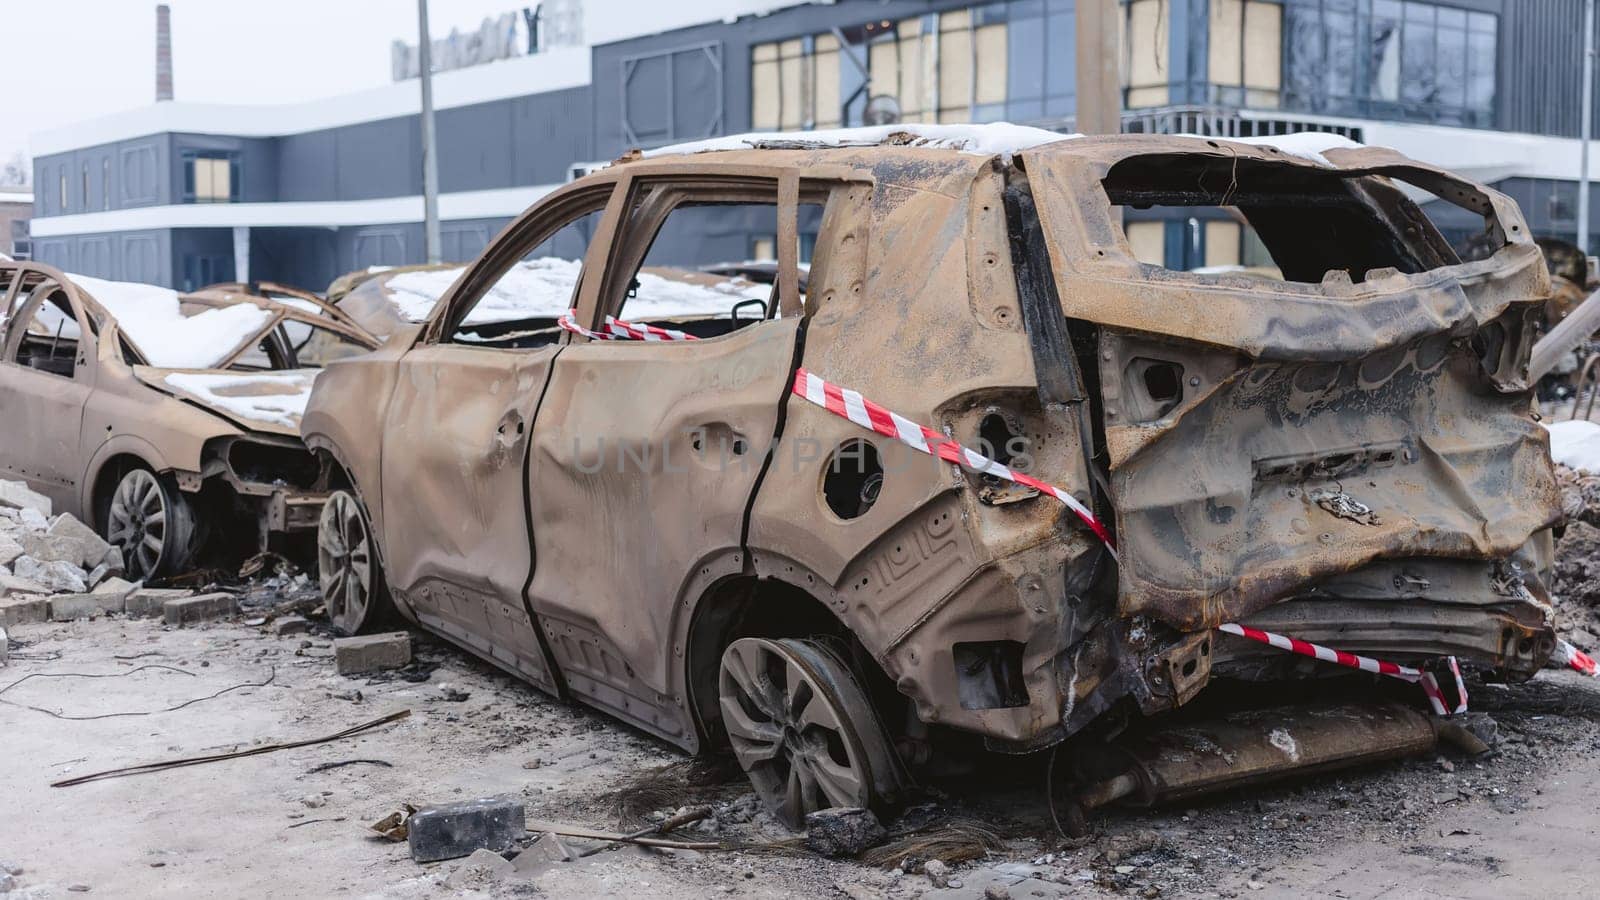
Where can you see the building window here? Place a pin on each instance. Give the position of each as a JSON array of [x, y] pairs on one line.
[[1246, 53], [210, 177], [62, 192], [1402, 58], [1011, 60], [105, 182], [1146, 45]]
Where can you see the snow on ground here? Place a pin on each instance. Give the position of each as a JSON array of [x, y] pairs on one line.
[[984, 140], [150, 317], [543, 288], [276, 397], [1576, 444]]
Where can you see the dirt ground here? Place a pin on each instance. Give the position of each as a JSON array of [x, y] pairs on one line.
[[1518, 822]]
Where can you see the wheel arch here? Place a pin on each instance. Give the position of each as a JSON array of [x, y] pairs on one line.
[[112, 461]]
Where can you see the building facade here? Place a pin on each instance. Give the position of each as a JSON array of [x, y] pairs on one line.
[[184, 194]]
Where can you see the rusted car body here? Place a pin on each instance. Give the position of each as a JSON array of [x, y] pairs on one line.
[[1348, 456], [162, 431]]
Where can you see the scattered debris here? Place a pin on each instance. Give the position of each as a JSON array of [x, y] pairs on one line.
[[289, 625], [349, 762], [396, 825], [843, 831], [453, 830], [481, 868], [370, 653], [687, 817]]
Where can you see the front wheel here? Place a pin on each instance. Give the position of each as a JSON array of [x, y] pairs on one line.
[[353, 587], [153, 524], [802, 728]]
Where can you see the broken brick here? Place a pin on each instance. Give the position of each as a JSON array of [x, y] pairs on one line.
[[23, 609], [456, 829], [67, 607], [290, 625], [152, 601], [199, 608], [369, 653]]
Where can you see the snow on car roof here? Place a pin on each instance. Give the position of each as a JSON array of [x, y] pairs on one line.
[[991, 139], [276, 397], [153, 320], [543, 288], [1307, 145]]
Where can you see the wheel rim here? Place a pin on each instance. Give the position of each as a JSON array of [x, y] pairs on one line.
[[344, 557], [795, 737], [137, 522]]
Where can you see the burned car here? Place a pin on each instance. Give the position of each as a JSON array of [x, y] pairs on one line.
[[733, 539], [168, 422]]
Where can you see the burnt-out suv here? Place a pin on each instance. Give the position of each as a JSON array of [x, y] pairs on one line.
[[1337, 443]]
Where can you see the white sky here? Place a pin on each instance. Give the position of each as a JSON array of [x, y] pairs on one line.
[[70, 60]]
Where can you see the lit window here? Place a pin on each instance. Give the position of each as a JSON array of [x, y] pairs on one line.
[[210, 177]]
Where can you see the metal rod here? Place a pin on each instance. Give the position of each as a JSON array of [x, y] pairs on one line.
[[1586, 128], [430, 148]]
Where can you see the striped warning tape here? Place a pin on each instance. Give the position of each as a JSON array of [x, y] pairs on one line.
[[617, 330], [1428, 680], [1568, 655], [849, 404]]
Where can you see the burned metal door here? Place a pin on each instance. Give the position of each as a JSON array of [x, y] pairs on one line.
[[45, 381], [643, 462]]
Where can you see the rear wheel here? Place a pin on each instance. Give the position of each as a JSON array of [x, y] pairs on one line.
[[353, 587], [153, 524], [802, 727]]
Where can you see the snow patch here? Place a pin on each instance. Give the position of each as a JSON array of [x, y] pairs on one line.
[[1307, 145], [151, 318], [1284, 741], [543, 289], [276, 397], [992, 139], [1576, 444]]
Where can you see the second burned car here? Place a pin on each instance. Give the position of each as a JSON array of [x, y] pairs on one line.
[[664, 530]]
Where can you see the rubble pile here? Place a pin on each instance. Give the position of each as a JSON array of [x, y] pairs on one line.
[[1576, 587], [55, 568]]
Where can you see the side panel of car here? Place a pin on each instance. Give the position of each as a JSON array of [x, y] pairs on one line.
[[920, 314]]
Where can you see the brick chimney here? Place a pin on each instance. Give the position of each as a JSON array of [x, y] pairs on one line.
[[163, 52]]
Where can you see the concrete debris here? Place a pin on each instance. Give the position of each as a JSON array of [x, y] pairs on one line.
[[843, 831], [938, 873], [68, 607], [13, 584], [9, 549], [153, 601], [16, 495], [481, 869], [288, 625], [33, 519], [370, 653], [92, 549], [456, 829], [5, 647], [57, 577], [189, 610], [23, 609]]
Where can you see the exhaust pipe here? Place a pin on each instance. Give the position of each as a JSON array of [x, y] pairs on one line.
[[1248, 748]]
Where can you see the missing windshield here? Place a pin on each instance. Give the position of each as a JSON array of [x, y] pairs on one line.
[[1216, 215]]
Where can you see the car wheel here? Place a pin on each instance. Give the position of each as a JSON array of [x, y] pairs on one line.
[[353, 587], [801, 727], [153, 524]]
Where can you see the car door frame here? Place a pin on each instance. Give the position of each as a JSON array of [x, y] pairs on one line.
[[68, 393], [429, 589]]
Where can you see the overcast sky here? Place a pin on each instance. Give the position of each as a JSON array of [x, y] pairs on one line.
[[69, 60]]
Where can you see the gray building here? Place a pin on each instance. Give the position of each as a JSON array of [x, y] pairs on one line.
[[183, 194]]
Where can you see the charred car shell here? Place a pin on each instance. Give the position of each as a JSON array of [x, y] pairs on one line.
[[1347, 456], [198, 449]]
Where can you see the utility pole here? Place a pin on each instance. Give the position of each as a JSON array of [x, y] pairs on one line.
[[430, 148], [1586, 128], [1099, 67]]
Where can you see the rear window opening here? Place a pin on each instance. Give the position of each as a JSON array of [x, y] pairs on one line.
[[1211, 215]]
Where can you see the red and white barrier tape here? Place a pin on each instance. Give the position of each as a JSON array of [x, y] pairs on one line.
[[1430, 684], [850, 405], [1568, 655], [618, 330]]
